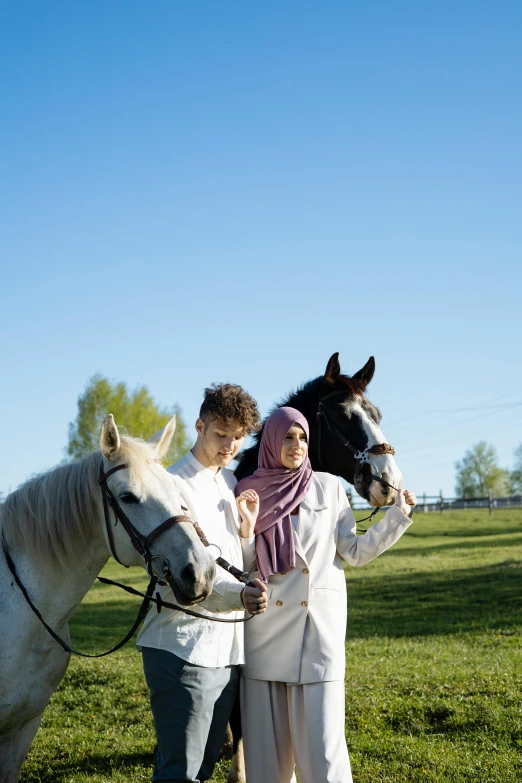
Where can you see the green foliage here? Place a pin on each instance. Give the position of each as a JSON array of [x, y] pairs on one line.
[[478, 472], [516, 473], [433, 667], [135, 412]]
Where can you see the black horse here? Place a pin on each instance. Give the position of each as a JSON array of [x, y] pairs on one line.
[[346, 440], [345, 434]]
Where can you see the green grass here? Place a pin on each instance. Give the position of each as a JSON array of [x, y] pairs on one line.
[[434, 667]]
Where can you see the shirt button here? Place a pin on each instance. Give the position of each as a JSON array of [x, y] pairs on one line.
[[279, 603], [304, 603], [305, 571]]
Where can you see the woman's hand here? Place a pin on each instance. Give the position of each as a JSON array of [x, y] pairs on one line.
[[255, 598], [248, 507], [405, 500]]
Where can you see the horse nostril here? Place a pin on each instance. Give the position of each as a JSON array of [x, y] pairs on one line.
[[189, 574]]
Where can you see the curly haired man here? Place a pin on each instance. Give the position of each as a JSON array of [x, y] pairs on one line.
[[191, 664]]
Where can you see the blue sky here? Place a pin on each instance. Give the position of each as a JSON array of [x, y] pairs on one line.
[[233, 191]]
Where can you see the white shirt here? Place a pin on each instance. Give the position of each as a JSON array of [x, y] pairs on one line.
[[211, 501]]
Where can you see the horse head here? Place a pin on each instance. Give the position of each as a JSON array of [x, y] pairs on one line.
[[150, 499], [345, 434]]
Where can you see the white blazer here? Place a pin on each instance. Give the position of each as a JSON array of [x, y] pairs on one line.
[[300, 638]]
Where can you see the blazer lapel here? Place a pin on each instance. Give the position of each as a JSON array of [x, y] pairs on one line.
[[306, 527], [299, 551]]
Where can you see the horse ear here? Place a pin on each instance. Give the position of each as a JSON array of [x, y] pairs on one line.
[[163, 438], [333, 368], [109, 438], [366, 373]]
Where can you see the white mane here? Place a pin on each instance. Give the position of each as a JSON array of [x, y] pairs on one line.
[[52, 514]]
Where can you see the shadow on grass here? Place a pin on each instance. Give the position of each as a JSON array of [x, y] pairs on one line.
[[490, 543], [95, 764], [416, 604], [98, 625], [463, 524], [441, 602]]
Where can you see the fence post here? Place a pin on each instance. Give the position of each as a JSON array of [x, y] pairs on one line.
[[490, 501], [425, 504], [441, 502]]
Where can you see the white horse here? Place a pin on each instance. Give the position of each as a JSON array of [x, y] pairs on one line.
[[53, 529]]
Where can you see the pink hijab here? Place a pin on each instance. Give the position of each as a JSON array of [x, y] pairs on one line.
[[280, 490]]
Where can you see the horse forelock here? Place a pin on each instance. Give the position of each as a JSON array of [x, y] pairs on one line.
[[52, 514], [353, 386], [144, 466]]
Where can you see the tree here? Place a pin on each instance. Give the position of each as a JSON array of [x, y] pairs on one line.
[[478, 472], [135, 412], [516, 473]]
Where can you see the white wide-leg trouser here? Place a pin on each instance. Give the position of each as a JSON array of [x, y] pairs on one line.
[[287, 724]]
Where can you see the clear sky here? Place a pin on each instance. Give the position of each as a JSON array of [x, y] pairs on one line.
[[232, 191]]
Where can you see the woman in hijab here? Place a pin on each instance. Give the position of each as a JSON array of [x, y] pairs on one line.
[[292, 686]]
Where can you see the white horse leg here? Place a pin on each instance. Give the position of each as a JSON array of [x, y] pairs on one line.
[[13, 752]]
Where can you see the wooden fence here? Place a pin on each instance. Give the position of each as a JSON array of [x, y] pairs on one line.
[[438, 503]]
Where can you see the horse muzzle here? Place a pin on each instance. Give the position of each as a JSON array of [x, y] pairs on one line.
[[191, 587], [375, 488], [381, 495]]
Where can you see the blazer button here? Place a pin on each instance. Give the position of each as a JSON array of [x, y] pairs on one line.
[[279, 603], [304, 603], [305, 571]]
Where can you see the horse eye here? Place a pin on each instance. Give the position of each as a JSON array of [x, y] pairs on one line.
[[184, 508], [129, 498]]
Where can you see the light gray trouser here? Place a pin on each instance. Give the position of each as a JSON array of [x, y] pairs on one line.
[[191, 706], [286, 724]]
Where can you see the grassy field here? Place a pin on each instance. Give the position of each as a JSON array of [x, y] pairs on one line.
[[434, 667]]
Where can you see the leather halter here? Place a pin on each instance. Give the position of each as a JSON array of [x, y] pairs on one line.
[[360, 457], [140, 542]]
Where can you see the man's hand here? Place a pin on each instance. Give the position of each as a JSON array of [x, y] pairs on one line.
[[255, 598], [405, 500], [248, 507]]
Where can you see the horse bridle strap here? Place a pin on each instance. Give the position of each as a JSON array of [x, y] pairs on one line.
[[361, 457], [140, 542]]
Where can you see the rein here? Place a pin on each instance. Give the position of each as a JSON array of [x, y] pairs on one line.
[[63, 644], [141, 543]]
